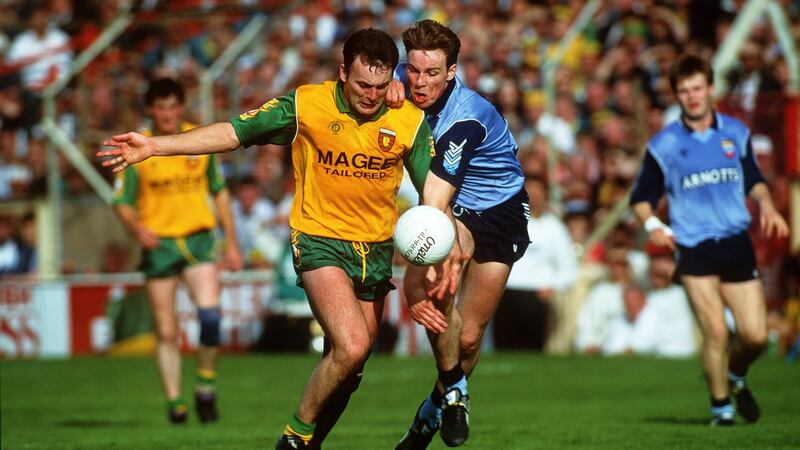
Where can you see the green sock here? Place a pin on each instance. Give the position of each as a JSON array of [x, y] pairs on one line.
[[299, 428], [178, 403], [205, 380]]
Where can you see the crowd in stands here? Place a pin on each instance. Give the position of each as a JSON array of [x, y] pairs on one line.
[[611, 94]]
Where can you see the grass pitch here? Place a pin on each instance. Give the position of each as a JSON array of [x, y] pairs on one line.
[[519, 401]]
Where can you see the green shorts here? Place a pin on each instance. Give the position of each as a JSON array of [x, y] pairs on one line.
[[175, 254], [368, 264]]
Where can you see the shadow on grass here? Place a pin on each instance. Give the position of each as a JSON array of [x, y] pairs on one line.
[[677, 420], [96, 423]]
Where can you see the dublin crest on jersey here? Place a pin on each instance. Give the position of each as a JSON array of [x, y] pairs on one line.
[[728, 147], [386, 139]]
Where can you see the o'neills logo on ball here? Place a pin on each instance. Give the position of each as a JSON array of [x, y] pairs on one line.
[[420, 247]]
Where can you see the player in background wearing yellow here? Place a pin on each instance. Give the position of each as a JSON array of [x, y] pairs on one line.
[[165, 203], [348, 154]]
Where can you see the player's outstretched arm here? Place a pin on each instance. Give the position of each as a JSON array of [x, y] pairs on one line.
[[132, 148]]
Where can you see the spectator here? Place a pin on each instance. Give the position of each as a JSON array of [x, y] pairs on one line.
[[251, 215], [17, 256], [42, 54], [656, 323], [540, 123], [604, 305], [666, 327], [757, 96], [547, 269], [621, 329]]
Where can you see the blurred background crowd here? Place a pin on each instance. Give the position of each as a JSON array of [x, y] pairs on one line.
[[611, 94]]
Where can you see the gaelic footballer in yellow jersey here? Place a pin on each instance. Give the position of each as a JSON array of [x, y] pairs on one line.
[[163, 189], [347, 169]]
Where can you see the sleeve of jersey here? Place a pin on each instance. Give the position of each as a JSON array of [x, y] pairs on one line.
[[126, 187], [417, 161], [273, 123], [649, 186], [752, 174], [216, 176], [455, 148]]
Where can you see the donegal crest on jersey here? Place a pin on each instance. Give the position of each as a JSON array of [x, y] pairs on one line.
[[386, 139]]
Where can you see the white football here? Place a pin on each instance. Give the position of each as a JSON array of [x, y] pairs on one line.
[[424, 235]]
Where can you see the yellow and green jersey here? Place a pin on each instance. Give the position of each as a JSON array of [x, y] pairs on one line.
[[171, 194], [347, 169]]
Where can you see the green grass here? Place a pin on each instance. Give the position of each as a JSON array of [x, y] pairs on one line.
[[519, 401]]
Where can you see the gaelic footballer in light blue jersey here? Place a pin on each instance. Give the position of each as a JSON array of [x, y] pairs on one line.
[[706, 176], [475, 150], [705, 164], [480, 176]]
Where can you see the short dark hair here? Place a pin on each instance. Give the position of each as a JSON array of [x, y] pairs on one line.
[[373, 47], [688, 65], [163, 88], [431, 35]]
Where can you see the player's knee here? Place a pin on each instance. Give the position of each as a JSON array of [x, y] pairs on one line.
[[351, 354], [209, 326], [755, 340], [717, 336], [469, 344], [167, 333]]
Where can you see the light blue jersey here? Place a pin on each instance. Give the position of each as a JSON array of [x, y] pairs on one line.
[[475, 151], [706, 177]]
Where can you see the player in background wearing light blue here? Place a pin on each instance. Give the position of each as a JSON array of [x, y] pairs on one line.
[[705, 164], [477, 156]]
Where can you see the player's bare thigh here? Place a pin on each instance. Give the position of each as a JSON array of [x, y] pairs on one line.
[[746, 301], [346, 322], [704, 296], [203, 283], [161, 295]]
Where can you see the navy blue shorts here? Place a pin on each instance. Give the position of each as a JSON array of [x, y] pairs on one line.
[[500, 232], [731, 258]]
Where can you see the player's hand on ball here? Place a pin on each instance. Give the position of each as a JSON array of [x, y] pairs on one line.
[[129, 148]]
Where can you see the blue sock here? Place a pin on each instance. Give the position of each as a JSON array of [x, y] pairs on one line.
[[431, 413], [725, 409], [460, 384], [737, 381], [454, 377]]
